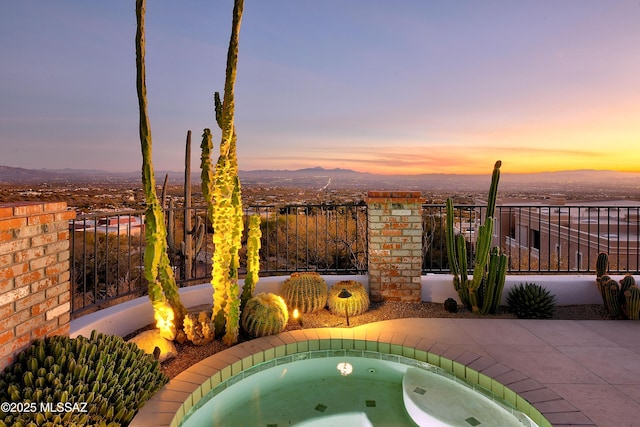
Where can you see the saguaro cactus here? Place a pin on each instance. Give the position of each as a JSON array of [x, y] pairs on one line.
[[183, 253], [163, 291], [481, 294]]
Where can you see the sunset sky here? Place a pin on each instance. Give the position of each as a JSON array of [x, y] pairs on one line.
[[407, 86]]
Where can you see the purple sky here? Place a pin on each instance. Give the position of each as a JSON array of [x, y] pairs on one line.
[[373, 85]]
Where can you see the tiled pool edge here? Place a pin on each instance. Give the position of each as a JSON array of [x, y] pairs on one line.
[[341, 355], [169, 406]]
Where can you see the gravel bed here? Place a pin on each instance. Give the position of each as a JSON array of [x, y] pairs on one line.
[[189, 354]]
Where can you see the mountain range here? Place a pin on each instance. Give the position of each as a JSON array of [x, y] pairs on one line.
[[588, 180]]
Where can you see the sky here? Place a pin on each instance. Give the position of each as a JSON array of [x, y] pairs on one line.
[[392, 87]]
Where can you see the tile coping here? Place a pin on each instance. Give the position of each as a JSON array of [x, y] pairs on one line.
[[169, 405]]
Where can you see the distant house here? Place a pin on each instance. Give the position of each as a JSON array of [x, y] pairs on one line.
[[556, 235], [121, 224]]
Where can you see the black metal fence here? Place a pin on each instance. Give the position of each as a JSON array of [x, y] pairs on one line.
[[541, 239], [107, 249]]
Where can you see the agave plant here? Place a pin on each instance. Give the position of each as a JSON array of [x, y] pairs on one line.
[[531, 301]]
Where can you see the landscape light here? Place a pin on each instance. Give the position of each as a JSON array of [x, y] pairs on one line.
[[297, 317], [344, 294]]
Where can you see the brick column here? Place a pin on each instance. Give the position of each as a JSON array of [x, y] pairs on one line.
[[35, 298], [395, 245]]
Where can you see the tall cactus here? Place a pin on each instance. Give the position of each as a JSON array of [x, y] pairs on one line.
[[163, 292], [184, 252], [187, 251], [253, 260], [221, 190], [481, 294]]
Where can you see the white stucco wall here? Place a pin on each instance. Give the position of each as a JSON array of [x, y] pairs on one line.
[[127, 317]]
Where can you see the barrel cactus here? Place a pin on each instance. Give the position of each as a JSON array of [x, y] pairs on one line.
[[356, 304], [305, 291], [265, 314], [531, 301], [102, 379]]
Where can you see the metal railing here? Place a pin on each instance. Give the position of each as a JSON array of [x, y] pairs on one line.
[[106, 259], [107, 249], [541, 239]]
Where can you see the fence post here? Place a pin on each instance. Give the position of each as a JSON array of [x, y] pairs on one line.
[[395, 245], [34, 274]]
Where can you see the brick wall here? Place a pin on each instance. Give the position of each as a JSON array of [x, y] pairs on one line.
[[34, 274], [395, 245]]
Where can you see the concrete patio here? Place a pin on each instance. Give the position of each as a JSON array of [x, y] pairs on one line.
[[578, 373], [574, 372]]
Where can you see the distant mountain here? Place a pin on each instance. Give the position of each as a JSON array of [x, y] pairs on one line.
[[13, 175], [595, 181], [20, 175]]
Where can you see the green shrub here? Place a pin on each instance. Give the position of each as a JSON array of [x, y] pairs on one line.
[[265, 314], [531, 301], [305, 291], [102, 380], [356, 304]]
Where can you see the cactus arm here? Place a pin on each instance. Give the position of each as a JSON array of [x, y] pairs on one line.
[[171, 222], [463, 280], [492, 272], [207, 174], [483, 248], [495, 281], [602, 264], [188, 236], [217, 103], [632, 302], [611, 291], [493, 190], [198, 231], [625, 283], [502, 276], [161, 283], [450, 239], [163, 196], [253, 260]]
